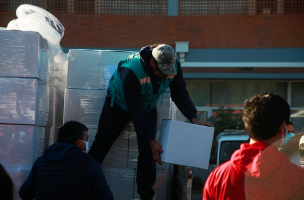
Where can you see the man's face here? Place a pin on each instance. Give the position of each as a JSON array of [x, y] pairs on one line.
[[159, 74], [290, 128], [85, 138]]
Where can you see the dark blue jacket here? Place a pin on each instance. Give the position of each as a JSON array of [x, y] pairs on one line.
[[132, 94], [65, 172]]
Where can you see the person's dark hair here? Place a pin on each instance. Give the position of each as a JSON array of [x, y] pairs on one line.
[[289, 123], [149, 52], [263, 114], [6, 185], [71, 131]]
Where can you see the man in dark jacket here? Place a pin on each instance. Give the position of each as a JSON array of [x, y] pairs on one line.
[[65, 171], [134, 89]]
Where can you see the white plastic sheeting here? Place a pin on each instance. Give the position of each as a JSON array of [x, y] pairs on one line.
[[33, 18]]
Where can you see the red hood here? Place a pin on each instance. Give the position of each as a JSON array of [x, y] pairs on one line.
[[258, 159]]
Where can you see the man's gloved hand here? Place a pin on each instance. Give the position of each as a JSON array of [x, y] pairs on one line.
[[156, 150], [199, 122]]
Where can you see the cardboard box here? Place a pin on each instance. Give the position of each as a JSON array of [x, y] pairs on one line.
[[21, 145], [84, 106], [98, 65], [24, 54], [186, 144], [25, 101]]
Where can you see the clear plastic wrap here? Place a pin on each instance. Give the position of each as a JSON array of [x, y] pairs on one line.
[[24, 55], [20, 145], [92, 69], [83, 105], [33, 18]]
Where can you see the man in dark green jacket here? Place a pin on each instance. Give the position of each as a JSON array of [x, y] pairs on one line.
[[134, 89]]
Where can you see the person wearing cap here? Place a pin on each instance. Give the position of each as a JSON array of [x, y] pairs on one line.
[[134, 89]]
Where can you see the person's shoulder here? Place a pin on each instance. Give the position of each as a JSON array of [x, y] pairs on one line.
[[292, 172], [95, 167], [222, 169], [82, 155], [295, 169]]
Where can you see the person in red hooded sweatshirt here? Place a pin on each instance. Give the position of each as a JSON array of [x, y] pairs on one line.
[[258, 170]]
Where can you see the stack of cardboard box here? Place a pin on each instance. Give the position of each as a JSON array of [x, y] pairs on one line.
[[26, 100], [89, 72]]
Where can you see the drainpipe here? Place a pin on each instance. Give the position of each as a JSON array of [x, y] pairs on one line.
[[181, 48]]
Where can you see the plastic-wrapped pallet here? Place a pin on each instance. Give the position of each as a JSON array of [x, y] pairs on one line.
[[31, 72], [27, 100], [89, 72]]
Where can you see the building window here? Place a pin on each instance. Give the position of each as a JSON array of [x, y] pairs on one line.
[[57, 6], [12, 5], [294, 6], [230, 94], [133, 7], [266, 6], [84, 6], [208, 97], [209, 7], [297, 95], [233, 94]]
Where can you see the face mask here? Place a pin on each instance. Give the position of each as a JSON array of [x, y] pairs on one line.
[[87, 146]]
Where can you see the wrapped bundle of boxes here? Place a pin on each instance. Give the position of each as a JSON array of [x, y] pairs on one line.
[[34, 103], [89, 72], [28, 105]]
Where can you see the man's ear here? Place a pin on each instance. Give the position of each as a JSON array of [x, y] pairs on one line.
[[78, 143], [152, 63]]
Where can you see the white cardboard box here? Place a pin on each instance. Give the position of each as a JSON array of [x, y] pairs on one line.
[[25, 101], [24, 54], [186, 144], [98, 65]]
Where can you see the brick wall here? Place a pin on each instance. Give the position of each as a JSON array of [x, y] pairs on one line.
[[214, 31]]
